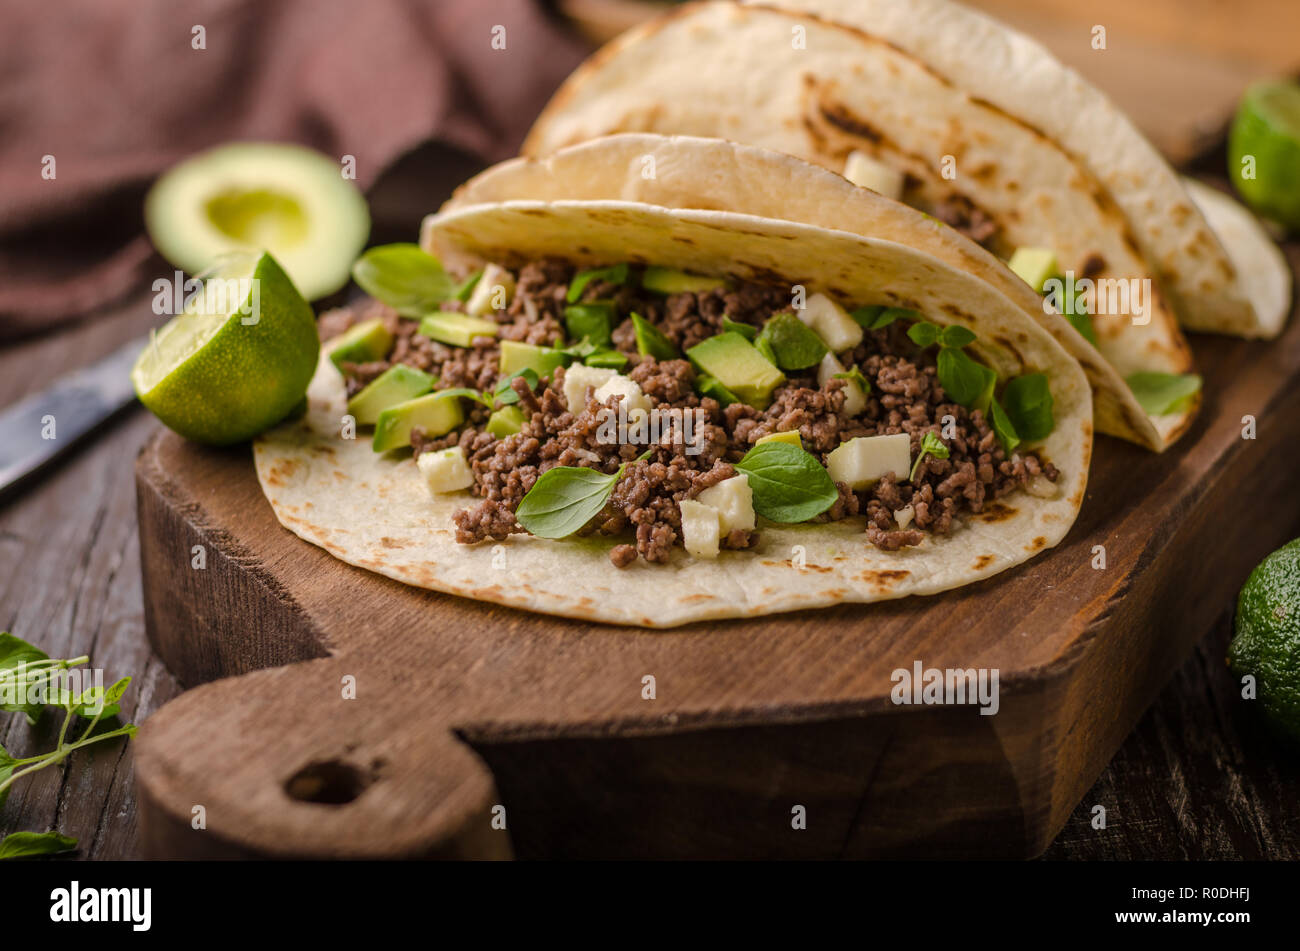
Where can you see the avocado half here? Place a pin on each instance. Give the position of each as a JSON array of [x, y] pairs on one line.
[[286, 199]]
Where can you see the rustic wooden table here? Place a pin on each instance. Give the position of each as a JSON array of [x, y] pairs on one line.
[[1197, 779]]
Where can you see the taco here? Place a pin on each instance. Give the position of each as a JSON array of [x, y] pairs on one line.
[[640, 414], [1083, 208]]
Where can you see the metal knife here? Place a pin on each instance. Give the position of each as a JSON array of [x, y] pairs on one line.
[[41, 426]]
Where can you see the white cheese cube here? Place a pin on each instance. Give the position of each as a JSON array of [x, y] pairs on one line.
[[634, 401], [861, 169], [701, 528], [861, 462], [576, 380], [855, 401], [496, 286], [734, 500], [904, 516], [832, 323], [445, 470]]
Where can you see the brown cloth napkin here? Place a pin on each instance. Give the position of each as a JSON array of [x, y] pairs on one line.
[[115, 91]]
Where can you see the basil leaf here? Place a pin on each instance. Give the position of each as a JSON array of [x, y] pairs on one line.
[[966, 382], [618, 274], [707, 385], [505, 393], [465, 392], [18, 845], [955, 335], [594, 321], [789, 485], [13, 652], [924, 334], [1082, 322], [608, 359], [651, 342], [566, 498], [466, 287], [748, 331], [1028, 402], [1003, 427], [580, 350], [404, 277], [792, 343], [931, 445], [7, 766], [1161, 393], [868, 317], [854, 375]]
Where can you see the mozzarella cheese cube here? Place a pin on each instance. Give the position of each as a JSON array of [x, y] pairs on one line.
[[855, 401], [701, 528], [832, 323], [445, 470], [862, 462], [734, 500], [634, 401], [496, 286], [861, 169], [576, 380]]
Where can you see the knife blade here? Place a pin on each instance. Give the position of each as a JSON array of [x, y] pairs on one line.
[[41, 426]]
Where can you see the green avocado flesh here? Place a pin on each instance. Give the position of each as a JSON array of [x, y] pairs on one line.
[[732, 360], [506, 421], [395, 385], [459, 330], [253, 196], [666, 280], [437, 414], [361, 343], [516, 356]]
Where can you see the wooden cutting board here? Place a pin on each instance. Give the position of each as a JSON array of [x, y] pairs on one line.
[[336, 713]]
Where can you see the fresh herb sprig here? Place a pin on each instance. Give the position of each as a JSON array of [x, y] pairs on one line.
[[566, 498], [931, 445], [406, 278], [27, 671], [788, 483]]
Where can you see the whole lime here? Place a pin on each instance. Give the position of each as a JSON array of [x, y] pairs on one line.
[[1266, 644], [1264, 151], [237, 361]]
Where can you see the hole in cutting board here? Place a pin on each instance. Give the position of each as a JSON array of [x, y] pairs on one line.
[[331, 783]]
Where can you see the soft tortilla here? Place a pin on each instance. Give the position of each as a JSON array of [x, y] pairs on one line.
[[819, 90], [1018, 75], [374, 512], [692, 172]]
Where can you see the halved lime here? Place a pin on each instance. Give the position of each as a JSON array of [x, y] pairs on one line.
[[239, 358], [1266, 134]]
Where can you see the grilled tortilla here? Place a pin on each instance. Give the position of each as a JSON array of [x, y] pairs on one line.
[[821, 90], [374, 511]]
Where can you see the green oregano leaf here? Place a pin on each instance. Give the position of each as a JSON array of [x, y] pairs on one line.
[[618, 274], [931, 445], [1161, 393], [1028, 402], [405, 277], [566, 498]]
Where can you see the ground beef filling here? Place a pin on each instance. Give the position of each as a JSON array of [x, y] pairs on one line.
[[905, 397]]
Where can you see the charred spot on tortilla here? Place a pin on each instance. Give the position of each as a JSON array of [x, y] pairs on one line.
[[982, 562]]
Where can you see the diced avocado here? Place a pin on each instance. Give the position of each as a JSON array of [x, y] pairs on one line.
[[650, 341], [862, 169], [606, 359], [459, 330], [667, 280], [397, 384], [517, 356], [700, 528], [361, 343], [706, 385], [593, 322], [861, 462], [495, 286], [832, 323], [1034, 266], [445, 470], [506, 421], [734, 500], [792, 437], [436, 413], [791, 343], [732, 360]]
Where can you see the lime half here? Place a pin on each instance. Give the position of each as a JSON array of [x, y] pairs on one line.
[[1265, 142], [239, 358]]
